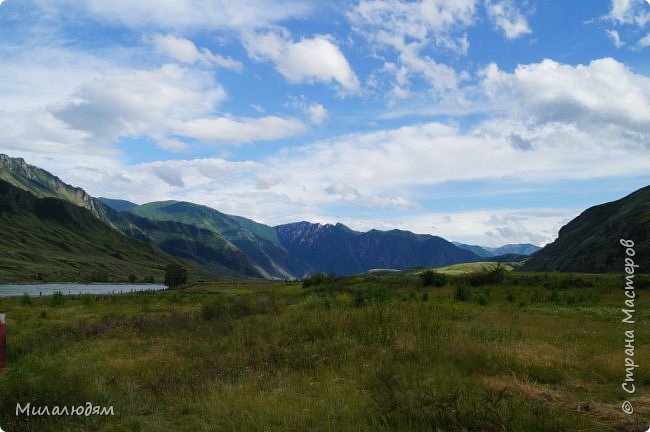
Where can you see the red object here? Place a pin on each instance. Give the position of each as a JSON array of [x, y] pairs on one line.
[[3, 341]]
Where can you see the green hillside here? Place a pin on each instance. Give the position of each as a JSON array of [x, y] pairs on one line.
[[202, 246], [258, 242], [42, 184], [208, 249], [53, 240], [590, 242]]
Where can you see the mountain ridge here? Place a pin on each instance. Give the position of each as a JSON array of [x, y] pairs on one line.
[[341, 250], [590, 242], [55, 240]]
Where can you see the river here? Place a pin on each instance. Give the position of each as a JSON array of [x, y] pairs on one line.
[[35, 290]]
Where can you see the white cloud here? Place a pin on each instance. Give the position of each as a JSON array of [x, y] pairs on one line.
[[192, 173], [392, 162], [506, 16], [317, 113], [309, 60], [131, 103], [184, 51], [39, 131], [409, 28], [240, 130], [171, 144], [630, 12], [395, 21], [584, 94], [58, 72], [644, 42], [616, 38], [191, 14]]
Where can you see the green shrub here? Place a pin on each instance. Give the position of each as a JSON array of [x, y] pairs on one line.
[[430, 277], [317, 279], [495, 275]]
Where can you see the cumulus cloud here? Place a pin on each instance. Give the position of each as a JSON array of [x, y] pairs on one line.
[[309, 60], [506, 16], [184, 51], [391, 162], [317, 113], [630, 12], [408, 28], [493, 227], [130, 103], [583, 94], [231, 130], [165, 104]]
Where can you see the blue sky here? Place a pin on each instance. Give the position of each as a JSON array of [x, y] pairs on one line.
[[482, 121]]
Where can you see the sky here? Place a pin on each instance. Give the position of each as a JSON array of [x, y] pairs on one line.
[[481, 121]]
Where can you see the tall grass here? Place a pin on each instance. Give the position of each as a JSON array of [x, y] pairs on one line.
[[350, 354]]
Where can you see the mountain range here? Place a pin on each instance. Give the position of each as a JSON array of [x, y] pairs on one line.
[[341, 250], [231, 246]]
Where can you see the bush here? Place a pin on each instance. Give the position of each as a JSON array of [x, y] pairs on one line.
[[430, 277], [495, 275], [132, 278], [317, 279], [175, 275]]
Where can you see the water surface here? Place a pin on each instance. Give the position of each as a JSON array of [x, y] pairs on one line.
[[36, 290]]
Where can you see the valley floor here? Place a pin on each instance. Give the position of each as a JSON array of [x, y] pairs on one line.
[[535, 352]]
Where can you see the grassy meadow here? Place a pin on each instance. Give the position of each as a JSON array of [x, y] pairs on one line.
[[530, 352]]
